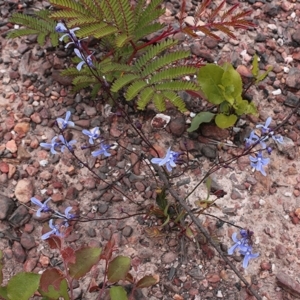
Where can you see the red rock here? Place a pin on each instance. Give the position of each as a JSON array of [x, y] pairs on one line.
[[28, 228], [10, 123], [24, 190], [36, 118], [11, 170], [4, 167], [18, 252], [57, 197], [288, 284], [31, 170], [30, 264], [44, 261]]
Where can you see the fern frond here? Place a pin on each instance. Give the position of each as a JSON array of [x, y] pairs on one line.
[[159, 102], [208, 32], [145, 97], [229, 12], [216, 11], [152, 51], [135, 88], [177, 85], [145, 31], [150, 14], [201, 9], [89, 30], [80, 86], [122, 81], [163, 61], [84, 79], [125, 17], [95, 90], [113, 67], [175, 100], [69, 5], [39, 24], [72, 72], [105, 31], [172, 73], [122, 39]]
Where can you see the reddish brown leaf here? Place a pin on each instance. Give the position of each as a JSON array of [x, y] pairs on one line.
[[49, 277], [215, 12], [108, 250], [68, 255]]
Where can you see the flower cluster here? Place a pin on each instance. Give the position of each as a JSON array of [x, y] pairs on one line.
[[259, 161], [169, 160], [55, 228], [244, 246], [61, 28]]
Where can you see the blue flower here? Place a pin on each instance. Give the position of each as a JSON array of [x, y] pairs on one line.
[[43, 206], [258, 162], [61, 28], [54, 144], [169, 160], [87, 60], [66, 144], [67, 215], [241, 244], [103, 150], [64, 123], [248, 255], [265, 128], [93, 134], [55, 231], [252, 139]]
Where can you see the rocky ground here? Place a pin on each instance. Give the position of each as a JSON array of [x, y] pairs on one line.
[[33, 95]]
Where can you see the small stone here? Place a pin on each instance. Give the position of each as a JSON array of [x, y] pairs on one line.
[[11, 146], [106, 234], [296, 36], [18, 252], [127, 231], [24, 190], [103, 207], [293, 78], [22, 128], [72, 193], [90, 183], [169, 257], [139, 186], [36, 118], [6, 206], [235, 194], [177, 126], [280, 251], [27, 241], [210, 42], [44, 261], [30, 264], [288, 283], [91, 232], [213, 132], [271, 9], [209, 151], [57, 197], [20, 216], [213, 278]]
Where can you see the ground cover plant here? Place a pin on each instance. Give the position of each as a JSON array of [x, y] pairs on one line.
[[123, 54]]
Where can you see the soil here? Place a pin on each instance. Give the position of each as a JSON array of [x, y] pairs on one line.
[[33, 95]]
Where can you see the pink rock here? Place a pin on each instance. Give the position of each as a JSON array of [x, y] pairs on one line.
[[4, 167], [11, 146], [22, 128], [24, 190]]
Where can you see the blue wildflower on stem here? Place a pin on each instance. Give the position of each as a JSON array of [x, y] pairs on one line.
[[240, 244], [66, 144], [169, 160], [43, 207], [84, 60], [64, 123], [102, 151], [251, 140], [93, 134], [61, 28], [265, 128], [54, 144], [248, 255], [54, 231], [259, 162]]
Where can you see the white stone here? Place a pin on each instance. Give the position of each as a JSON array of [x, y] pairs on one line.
[[276, 92], [219, 294]]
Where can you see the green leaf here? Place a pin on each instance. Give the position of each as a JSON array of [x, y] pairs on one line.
[[224, 121], [117, 293], [232, 83], [3, 292], [53, 284], [22, 285], [255, 66], [202, 117], [86, 257], [262, 76], [118, 268], [146, 281], [210, 79]]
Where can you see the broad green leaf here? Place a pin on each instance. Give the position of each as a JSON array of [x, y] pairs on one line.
[[255, 66], [225, 107], [232, 83], [202, 117], [22, 286], [224, 121], [210, 79], [86, 257], [118, 268], [244, 107], [53, 284], [3, 292], [146, 281], [117, 293]]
